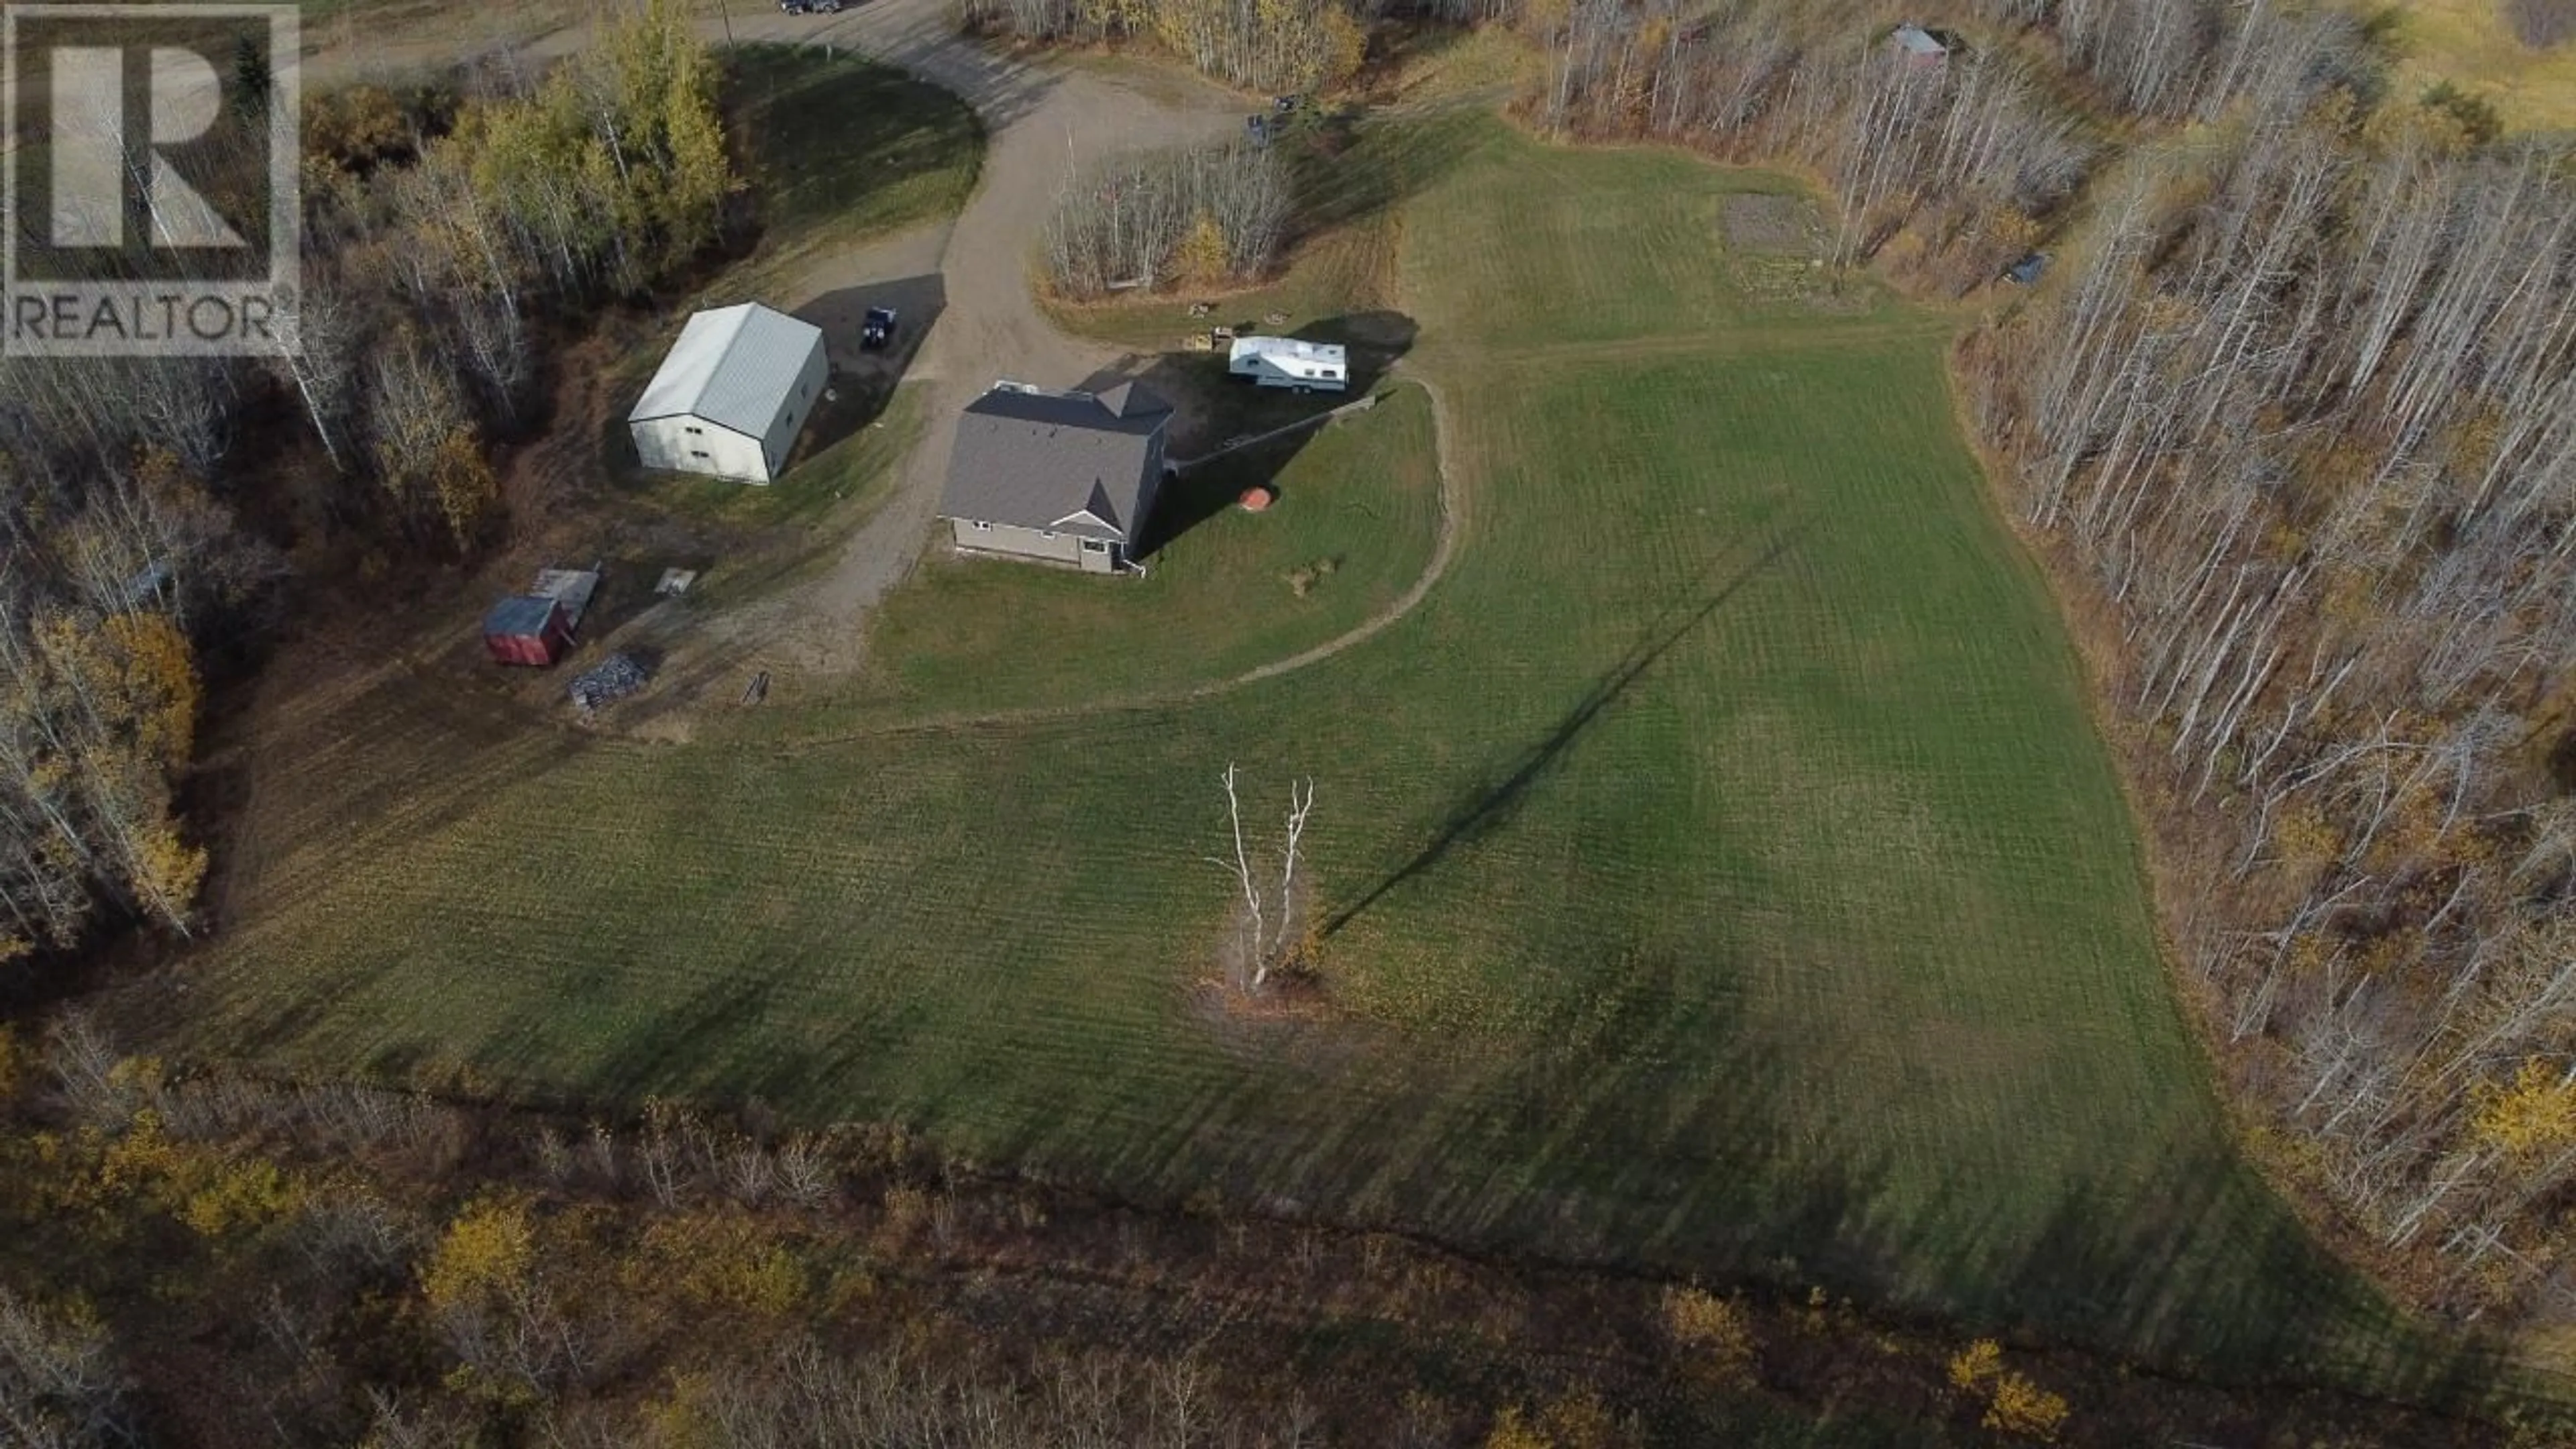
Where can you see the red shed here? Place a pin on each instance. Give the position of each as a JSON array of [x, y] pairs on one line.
[[527, 629]]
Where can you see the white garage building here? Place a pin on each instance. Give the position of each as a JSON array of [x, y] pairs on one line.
[[732, 395], [1290, 362]]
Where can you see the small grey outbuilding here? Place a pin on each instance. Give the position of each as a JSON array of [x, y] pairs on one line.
[[1918, 47], [1057, 477]]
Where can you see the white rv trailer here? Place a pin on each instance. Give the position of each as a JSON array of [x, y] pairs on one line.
[[1290, 362]]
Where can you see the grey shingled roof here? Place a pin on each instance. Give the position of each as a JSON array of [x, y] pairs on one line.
[[1071, 462], [733, 366]]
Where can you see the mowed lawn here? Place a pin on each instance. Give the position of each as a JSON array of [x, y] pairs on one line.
[[1724, 875], [1354, 523]]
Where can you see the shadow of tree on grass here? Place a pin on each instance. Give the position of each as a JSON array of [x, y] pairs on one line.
[[1491, 802]]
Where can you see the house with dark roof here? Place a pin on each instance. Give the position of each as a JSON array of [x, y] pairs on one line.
[[1057, 477]]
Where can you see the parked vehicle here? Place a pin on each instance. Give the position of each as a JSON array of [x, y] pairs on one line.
[[810, 7], [877, 330]]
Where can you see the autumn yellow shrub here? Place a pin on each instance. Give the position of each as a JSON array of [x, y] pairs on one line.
[[1577, 1421], [1513, 1430], [13, 1057], [1574, 1421], [354, 127], [213, 1191], [1715, 1335], [137, 1078], [1202, 256], [2303, 836], [722, 1261], [141, 1160], [462, 479], [244, 1192], [485, 1254], [2532, 1114], [2014, 1404], [682, 1418], [1978, 1362], [2023, 1408], [159, 673]]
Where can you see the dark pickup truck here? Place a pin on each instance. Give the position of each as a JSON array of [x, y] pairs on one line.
[[877, 329]]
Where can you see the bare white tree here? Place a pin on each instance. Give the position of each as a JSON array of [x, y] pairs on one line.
[[1291, 912], [1259, 947], [1249, 930]]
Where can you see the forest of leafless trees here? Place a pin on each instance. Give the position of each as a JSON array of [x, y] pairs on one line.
[[2297, 417], [1208, 216], [441, 222], [2302, 415]]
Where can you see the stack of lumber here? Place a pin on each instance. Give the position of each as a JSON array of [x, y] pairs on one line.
[[606, 682]]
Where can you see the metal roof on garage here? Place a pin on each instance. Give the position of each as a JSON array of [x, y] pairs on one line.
[[733, 366]]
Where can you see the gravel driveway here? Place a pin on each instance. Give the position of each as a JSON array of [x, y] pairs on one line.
[[1040, 119]]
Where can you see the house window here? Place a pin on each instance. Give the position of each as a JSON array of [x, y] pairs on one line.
[[694, 432], [1093, 545], [697, 452], [982, 527], [1332, 374], [1046, 533]]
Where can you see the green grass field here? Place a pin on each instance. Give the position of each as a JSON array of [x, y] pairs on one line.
[[847, 150], [1725, 877]]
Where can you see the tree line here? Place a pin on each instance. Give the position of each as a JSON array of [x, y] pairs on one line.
[[444, 225], [2296, 421], [198, 1256], [1269, 45]]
